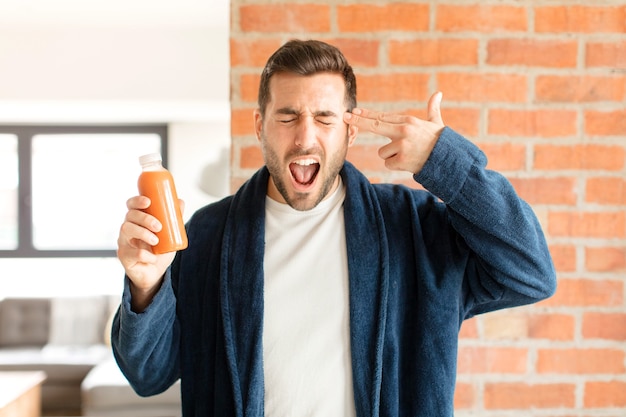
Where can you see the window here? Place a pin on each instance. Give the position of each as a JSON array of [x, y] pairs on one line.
[[8, 192], [63, 189]]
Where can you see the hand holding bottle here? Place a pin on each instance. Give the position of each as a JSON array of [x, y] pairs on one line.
[[144, 268], [152, 231]]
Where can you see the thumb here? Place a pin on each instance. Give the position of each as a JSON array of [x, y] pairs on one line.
[[434, 108]]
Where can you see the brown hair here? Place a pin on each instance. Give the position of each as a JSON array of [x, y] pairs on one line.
[[307, 58]]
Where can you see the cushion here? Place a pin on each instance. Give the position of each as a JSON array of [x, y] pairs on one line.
[[106, 392], [59, 363], [78, 321], [24, 322]]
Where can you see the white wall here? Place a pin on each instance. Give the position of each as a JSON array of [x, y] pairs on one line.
[[68, 71], [104, 63]]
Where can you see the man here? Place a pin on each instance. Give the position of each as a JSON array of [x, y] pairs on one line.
[[312, 292]]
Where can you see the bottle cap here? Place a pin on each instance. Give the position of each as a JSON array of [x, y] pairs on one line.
[[149, 158]]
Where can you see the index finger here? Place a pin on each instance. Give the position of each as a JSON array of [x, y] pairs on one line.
[[138, 202], [374, 121]]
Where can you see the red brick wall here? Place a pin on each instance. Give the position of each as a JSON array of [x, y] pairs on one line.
[[540, 86]]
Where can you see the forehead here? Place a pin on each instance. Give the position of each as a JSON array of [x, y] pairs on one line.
[[321, 90]]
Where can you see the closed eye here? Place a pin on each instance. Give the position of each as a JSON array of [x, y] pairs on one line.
[[287, 116], [326, 117]]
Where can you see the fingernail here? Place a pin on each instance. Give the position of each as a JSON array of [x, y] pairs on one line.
[[347, 115], [356, 111]]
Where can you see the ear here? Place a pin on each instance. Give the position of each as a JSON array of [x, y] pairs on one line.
[[352, 133], [258, 124]]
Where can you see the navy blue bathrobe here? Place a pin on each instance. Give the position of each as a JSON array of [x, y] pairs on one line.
[[420, 262]]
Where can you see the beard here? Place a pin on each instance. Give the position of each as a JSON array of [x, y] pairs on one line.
[[280, 174]]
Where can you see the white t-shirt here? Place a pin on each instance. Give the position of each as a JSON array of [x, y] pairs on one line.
[[306, 336]]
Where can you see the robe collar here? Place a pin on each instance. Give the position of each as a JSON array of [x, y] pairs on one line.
[[241, 290]]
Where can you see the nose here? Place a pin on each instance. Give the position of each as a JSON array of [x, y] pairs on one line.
[[306, 134]]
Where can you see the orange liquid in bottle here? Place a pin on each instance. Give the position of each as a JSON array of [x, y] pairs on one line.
[[159, 187]]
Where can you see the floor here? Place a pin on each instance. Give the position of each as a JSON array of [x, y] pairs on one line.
[[58, 413]]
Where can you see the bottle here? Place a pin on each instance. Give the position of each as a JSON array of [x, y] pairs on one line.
[[156, 183]]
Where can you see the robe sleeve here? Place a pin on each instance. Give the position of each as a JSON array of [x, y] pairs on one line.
[[146, 345], [510, 262]]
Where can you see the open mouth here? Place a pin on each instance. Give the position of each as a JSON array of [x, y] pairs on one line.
[[304, 171]]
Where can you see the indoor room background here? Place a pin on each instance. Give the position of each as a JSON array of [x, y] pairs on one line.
[[539, 85], [67, 62]]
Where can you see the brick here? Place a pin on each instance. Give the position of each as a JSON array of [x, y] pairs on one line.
[[605, 259], [605, 394], [464, 396], [580, 89], [505, 325], [463, 120], [481, 18], [560, 190], [484, 87], [533, 123], [579, 157], [606, 190], [502, 360], [580, 19], [469, 329], [609, 326], [251, 157], [504, 156], [393, 87], [519, 326], [532, 53], [555, 327], [434, 52], [580, 361], [563, 257], [252, 52], [359, 52], [605, 123], [249, 87], [606, 54], [587, 224], [255, 52], [518, 395], [241, 122], [587, 293], [365, 157], [284, 17], [405, 17]]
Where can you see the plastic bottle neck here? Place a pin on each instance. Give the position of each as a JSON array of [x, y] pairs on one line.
[[152, 166], [151, 162]]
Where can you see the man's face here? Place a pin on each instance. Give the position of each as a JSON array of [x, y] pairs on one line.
[[303, 137]]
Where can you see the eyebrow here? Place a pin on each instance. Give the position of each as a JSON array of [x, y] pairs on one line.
[[319, 113]]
